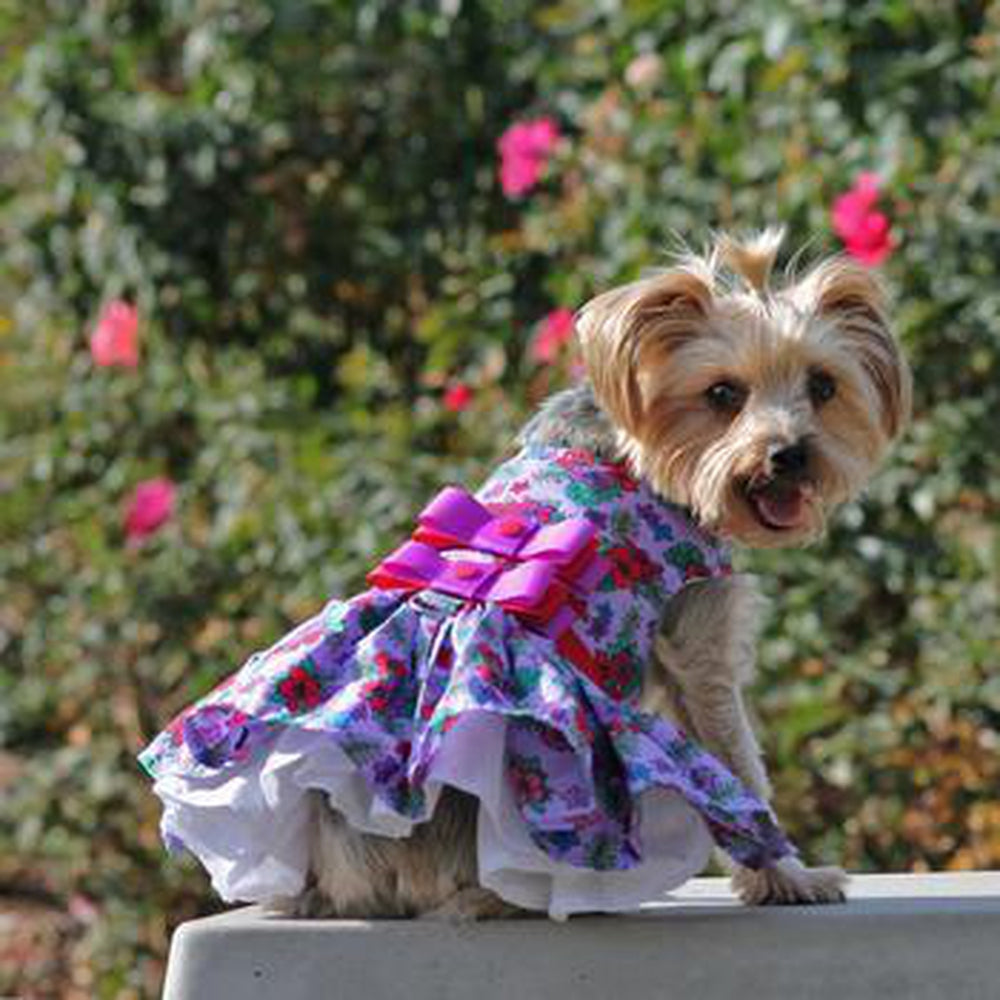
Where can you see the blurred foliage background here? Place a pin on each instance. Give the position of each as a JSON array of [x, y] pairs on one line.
[[301, 199]]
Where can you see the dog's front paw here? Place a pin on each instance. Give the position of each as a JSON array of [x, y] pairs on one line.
[[789, 882], [309, 904]]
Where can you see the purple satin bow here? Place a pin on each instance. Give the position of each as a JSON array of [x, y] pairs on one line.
[[460, 548]]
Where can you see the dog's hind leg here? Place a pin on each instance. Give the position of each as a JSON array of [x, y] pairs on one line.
[[354, 874]]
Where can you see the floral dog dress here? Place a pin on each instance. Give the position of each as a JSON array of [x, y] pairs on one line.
[[499, 651]]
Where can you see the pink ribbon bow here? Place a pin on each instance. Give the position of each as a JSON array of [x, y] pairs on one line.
[[461, 548]]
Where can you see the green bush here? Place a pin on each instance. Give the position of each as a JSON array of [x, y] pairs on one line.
[[302, 200]]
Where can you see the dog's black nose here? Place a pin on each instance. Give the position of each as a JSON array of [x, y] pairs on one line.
[[789, 460]]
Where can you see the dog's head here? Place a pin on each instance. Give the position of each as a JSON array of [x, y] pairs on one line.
[[760, 408]]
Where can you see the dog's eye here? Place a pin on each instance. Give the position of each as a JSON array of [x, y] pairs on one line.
[[726, 397], [822, 387]]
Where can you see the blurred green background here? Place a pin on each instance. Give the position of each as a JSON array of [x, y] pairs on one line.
[[302, 201]]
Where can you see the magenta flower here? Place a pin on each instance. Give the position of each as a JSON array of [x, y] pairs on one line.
[[524, 149], [150, 506], [554, 332], [115, 339], [457, 397], [856, 220]]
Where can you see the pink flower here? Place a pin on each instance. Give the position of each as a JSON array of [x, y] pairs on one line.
[[524, 150], [856, 220], [115, 339], [553, 333], [151, 504], [457, 397], [82, 909], [644, 71]]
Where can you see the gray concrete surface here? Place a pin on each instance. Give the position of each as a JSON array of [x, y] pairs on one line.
[[918, 937]]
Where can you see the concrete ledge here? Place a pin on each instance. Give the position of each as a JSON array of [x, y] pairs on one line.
[[900, 936]]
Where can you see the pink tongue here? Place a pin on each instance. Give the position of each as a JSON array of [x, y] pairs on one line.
[[780, 508]]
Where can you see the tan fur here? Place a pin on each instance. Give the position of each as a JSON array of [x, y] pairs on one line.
[[852, 298], [652, 349], [752, 259], [431, 873], [768, 340], [705, 658], [626, 331]]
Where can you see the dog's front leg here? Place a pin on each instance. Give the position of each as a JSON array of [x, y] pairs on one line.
[[706, 653]]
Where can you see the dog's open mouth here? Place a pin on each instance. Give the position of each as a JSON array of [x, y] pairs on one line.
[[780, 504]]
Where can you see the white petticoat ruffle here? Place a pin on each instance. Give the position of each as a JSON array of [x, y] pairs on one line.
[[250, 828]]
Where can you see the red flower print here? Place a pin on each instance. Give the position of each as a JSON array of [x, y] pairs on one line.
[[616, 673], [528, 779], [388, 667], [864, 229], [533, 511], [489, 656], [572, 458], [554, 332], [377, 695], [149, 507], [115, 339], [448, 722], [624, 479], [299, 690], [524, 150], [386, 687], [629, 565]]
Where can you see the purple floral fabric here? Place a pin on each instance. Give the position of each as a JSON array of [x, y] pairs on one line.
[[386, 675]]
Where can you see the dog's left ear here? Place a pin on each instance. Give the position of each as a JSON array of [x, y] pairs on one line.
[[853, 298], [628, 328]]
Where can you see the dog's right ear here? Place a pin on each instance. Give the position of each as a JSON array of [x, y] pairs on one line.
[[634, 327], [853, 299]]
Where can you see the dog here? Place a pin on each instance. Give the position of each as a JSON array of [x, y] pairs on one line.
[[757, 406]]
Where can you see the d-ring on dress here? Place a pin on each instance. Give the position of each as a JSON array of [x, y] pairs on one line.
[[498, 651]]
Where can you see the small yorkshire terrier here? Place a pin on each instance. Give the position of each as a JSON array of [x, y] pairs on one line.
[[758, 408]]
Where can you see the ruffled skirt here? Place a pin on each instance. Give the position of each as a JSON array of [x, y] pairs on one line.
[[585, 802]]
